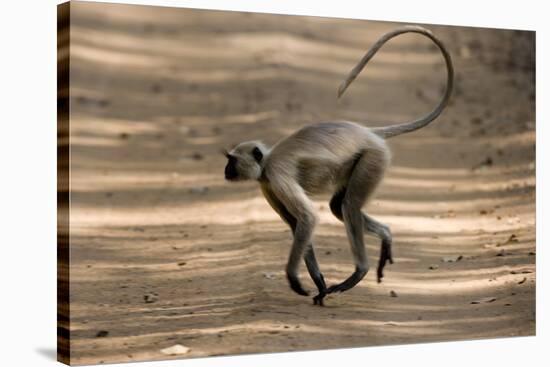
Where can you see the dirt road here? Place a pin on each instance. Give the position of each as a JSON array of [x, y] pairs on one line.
[[165, 252]]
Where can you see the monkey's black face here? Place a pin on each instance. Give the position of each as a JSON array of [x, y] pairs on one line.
[[244, 162], [231, 173]]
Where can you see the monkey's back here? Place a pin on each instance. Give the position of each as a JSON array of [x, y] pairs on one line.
[[321, 156]]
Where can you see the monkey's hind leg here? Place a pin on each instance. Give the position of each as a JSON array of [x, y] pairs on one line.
[[371, 225], [347, 204]]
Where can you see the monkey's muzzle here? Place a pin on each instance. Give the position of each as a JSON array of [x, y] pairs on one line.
[[230, 170]]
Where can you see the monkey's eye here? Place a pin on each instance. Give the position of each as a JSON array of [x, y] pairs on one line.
[[257, 154]]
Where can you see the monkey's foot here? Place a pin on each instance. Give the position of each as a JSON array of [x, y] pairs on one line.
[[349, 283], [380, 270], [296, 286], [385, 256], [318, 299], [336, 288]]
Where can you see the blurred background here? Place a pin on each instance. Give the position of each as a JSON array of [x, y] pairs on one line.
[[165, 252]]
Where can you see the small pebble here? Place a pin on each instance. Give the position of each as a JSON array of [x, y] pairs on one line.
[[198, 190], [102, 334], [150, 298], [269, 275], [197, 156]]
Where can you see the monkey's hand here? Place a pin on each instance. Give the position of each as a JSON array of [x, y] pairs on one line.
[[295, 284]]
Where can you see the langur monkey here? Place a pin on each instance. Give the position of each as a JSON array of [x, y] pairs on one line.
[[341, 157]]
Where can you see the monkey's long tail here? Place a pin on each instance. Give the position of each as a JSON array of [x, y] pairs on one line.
[[394, 130]]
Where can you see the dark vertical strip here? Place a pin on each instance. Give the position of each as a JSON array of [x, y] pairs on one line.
[[63, 188]]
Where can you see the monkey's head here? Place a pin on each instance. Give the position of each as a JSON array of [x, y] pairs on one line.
[[245, 161]]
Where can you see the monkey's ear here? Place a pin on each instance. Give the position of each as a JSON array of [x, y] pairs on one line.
[[257, 154], [225, 152]]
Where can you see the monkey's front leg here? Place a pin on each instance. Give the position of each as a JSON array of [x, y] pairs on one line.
[[302, 237], [294, 208], [316, 275]]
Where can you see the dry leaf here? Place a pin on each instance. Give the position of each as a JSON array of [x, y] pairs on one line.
[[174, 350], [150, 298], [512, 238], [452, 259], [484, 300]]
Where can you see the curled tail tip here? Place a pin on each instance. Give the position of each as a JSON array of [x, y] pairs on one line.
[[342, 88], [340, 92]]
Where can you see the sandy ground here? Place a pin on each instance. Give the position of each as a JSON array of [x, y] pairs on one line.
[[164, 252]]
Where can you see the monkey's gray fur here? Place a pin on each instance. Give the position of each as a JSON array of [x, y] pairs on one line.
[[344, 158]]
